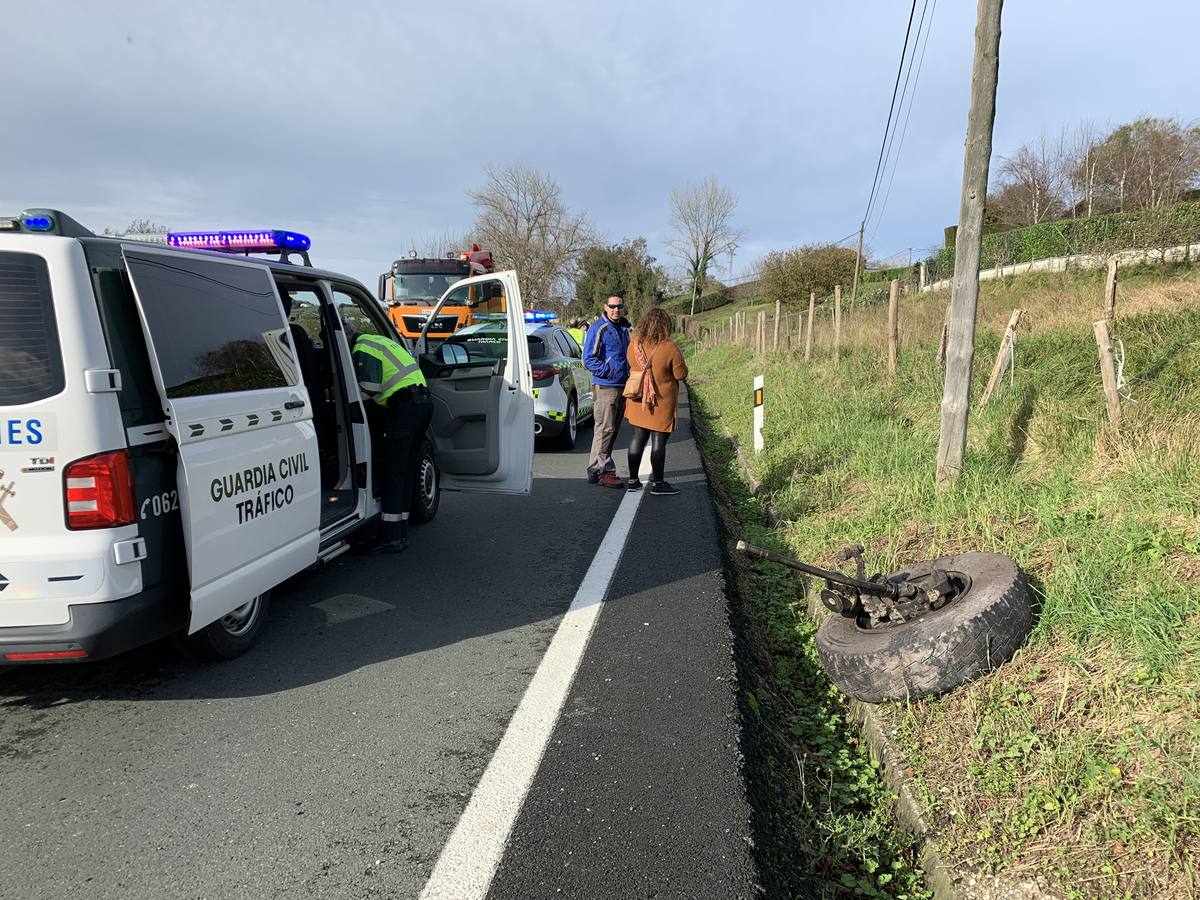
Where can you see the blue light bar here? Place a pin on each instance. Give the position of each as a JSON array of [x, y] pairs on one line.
[[540, 315], [266, 239], [38, 223]]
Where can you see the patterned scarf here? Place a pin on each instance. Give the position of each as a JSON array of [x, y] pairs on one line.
[[649, 388]]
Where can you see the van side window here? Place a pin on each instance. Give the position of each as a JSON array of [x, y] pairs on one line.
[[216, 327], [30, 358], [354, 311]]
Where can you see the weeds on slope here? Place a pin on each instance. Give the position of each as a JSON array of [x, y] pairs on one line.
[[824, 824], [1078, 760]]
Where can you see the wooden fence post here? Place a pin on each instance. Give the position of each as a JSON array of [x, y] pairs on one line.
[[1108, 372], [762, 332], [837, 323], [799, 329], [1002, 358], [775, 337], [893, 326], [941, 354], [1110, 291], [812, 302]]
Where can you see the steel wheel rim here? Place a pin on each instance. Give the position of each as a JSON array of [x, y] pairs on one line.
[[238, 621], [428, 482]]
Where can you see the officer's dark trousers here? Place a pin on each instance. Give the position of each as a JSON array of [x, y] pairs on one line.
[[405, 420]]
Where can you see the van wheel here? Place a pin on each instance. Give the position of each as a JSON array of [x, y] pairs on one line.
[[565, 440], [427, 487], [234, 633]]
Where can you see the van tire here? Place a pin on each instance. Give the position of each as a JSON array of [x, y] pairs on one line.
[[427, 486], [940, 650], [232, 634]]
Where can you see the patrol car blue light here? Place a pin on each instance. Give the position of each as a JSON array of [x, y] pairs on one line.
[[38, 223], [239, 241]]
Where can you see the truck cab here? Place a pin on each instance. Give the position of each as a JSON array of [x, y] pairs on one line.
[[181, 430], [411, 287]]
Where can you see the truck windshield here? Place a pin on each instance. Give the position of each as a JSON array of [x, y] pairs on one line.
[[423, 286]]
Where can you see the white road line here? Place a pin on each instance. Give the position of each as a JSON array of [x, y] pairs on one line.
[[468, 862]]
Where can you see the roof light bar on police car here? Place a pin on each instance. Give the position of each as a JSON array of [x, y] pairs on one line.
[[240, 241]]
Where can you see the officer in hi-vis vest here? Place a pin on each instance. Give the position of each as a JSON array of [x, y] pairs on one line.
[[391, 378]]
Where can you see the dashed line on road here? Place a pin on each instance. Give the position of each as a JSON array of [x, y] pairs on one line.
[[468, 862]]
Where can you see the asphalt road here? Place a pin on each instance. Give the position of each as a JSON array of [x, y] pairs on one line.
[[335, 758]]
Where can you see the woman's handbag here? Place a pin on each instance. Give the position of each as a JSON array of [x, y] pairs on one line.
[[635, 386]]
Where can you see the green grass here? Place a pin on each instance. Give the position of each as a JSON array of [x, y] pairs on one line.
[[1077, 760], [825, 827]]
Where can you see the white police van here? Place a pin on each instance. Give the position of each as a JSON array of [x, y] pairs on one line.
[[181, 430]]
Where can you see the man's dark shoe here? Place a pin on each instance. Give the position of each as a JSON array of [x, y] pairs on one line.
[[593, 477], [663, 489], [634, 484], [608, 479]]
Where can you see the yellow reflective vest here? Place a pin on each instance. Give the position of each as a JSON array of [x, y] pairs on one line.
[[384, 366]]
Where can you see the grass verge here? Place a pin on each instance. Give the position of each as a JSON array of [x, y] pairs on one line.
[[1077, 761], [823, 821]]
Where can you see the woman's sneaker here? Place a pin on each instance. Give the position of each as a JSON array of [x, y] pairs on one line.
[[663, 489], [634, 484]]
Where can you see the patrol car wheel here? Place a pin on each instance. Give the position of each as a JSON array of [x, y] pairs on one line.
[[234, 633], [566, 438], [427, 489]]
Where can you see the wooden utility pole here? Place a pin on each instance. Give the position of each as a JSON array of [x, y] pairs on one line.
[[893, 326], [1108, 373], [812, 303], [837, 323], [857, 261], [964, 296]]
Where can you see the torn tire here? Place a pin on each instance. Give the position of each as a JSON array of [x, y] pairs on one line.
[[933, 653]]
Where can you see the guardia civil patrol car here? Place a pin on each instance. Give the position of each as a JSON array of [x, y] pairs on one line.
[[181, 430]]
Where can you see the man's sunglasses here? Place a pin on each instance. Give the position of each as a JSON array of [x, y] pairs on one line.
[[615, 305]]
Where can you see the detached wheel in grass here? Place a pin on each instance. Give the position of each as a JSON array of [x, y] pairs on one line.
[[427, 488], [979, 629], [565, 439], [234, 633]]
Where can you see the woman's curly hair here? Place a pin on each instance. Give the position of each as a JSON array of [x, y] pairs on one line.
[[653, 327]]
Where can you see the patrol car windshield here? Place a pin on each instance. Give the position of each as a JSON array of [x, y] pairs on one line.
[[491, 342]]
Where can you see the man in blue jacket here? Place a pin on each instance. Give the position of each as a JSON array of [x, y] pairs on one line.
[[604, 348]]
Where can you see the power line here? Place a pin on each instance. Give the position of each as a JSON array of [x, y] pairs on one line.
[[891, 110], [911, 99]]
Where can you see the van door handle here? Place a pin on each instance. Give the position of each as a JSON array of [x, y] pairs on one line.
[[293, 404]]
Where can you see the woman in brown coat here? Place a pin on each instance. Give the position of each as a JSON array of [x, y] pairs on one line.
[[652, 351]]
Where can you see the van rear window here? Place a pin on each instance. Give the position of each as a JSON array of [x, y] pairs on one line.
[[30, 360]]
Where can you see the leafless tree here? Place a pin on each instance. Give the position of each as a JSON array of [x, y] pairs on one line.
[[527, 226], [440, 243], [1030, 185], [140, 226], [701, 217], [1147, 163]]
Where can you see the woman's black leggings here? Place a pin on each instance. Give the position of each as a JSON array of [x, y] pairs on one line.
[[658, 451]]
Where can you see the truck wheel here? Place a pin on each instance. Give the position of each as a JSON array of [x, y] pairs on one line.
[[427, 488], [978, 630], [234, 633], [565, 440]]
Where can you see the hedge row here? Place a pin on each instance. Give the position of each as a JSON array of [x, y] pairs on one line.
[[1161, 227]]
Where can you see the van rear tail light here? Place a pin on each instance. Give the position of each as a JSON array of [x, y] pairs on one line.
[[98, 491]]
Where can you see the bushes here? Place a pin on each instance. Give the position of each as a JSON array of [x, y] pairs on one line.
[[1152, 229]]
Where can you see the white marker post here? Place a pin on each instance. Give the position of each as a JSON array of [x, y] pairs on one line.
[[758, 413]]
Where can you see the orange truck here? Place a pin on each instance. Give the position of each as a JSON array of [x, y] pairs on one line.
[[411, 288]]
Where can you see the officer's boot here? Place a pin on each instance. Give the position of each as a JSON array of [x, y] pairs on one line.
[[393, 538]]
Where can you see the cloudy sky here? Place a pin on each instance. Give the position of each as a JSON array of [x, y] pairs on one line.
[[364, 127]]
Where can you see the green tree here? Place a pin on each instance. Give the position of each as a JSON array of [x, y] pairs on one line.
[[626, 269], [789, 276]]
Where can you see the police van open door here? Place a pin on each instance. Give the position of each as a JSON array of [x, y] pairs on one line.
[[482, 390], [248, 472]]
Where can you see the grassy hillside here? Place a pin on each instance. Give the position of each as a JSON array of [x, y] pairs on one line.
[[1077, 761]]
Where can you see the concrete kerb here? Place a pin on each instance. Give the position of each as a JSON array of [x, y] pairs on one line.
[[949, 880]]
